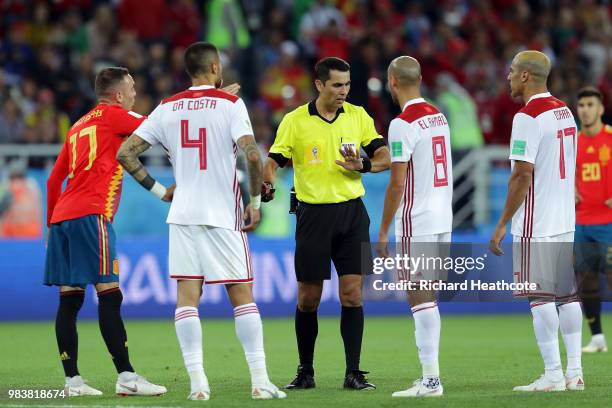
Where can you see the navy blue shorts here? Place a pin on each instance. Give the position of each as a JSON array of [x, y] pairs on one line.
[[81, 251], [593, 248]]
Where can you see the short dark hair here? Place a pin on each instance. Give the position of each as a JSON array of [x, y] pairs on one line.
[[589, 91], [325, 65], [199, 56], [108, 78]]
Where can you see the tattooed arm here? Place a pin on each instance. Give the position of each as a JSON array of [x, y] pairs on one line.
[[254, 163], [255, 166], [128, 154]]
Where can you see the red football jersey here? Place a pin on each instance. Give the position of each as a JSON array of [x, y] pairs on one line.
[[594, 177], [88, 160]]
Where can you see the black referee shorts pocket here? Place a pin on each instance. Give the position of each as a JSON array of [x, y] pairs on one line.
[[365, 215]]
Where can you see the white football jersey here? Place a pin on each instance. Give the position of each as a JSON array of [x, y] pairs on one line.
[[420, 136], [544, 134], [199, 128]]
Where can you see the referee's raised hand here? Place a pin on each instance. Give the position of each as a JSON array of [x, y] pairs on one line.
[[352, 159]]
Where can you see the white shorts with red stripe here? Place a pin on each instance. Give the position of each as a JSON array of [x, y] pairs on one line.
[[433, 246], [216, 255], [546, 261]]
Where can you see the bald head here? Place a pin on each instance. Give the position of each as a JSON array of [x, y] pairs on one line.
[[534, 62], [406, 70]]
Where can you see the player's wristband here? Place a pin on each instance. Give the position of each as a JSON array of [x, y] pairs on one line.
[[367, 165], [159, 190], [256, 202]]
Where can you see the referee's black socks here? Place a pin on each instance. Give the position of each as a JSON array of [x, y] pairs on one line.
[[306, 331], [65, 329], [351, 328], [112, 328]]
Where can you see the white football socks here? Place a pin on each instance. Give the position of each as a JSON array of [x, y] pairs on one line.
[[546, 328], [570, 319], [249, 331], [189, 333], [427, 335]]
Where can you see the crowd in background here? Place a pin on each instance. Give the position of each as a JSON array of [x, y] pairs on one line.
[[51, 51]]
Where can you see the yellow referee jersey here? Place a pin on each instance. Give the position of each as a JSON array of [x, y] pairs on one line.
[[313, 143]]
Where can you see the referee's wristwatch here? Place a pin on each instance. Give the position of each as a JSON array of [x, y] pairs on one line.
[[367, 165], [267, 192]]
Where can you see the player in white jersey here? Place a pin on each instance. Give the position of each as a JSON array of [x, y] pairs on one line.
[[201, 129], [419, 196], [540, 203]]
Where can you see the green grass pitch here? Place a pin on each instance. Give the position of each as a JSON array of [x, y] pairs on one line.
[[481, 359]]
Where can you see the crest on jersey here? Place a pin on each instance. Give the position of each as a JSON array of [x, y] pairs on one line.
[[590, 150], [313, 155], [604, 155]]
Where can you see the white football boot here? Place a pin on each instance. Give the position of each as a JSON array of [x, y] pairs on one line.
[[76, 387], [574, 382], [268, 391], [596, 345], [202, 395], [543, 384], [428, 387], [129, 384]]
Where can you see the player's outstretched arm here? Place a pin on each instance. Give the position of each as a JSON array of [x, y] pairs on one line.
[[255, 167], [381, 160], [518, 185], [128, 154]]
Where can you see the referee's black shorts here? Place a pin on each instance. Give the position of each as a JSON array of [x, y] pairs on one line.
[[332, 232]]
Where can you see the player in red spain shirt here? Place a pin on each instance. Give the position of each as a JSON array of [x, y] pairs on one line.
[[593, 210], [81, 244]]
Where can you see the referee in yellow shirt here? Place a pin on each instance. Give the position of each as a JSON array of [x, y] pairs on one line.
[[324, 138]]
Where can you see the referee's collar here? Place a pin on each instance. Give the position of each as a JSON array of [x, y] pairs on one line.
[[200, 87], [412, 102], [312, 109]]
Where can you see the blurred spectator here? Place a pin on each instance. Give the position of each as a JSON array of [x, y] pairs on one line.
[[16, 54], [315, 20], [39, 29], [460, 110], [330, 42], [11, 122], [286, 84], [184, 23], [46, 124], [145, 19], [22, 218], [227, 26], [75, 36], [100, 31], [504, 108]]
